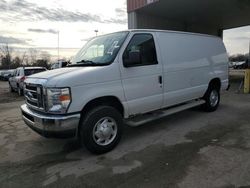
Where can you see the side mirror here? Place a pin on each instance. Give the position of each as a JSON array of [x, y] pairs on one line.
[[133, 58]]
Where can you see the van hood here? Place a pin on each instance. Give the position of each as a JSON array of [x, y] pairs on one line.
[[76, 76], [53, 73]]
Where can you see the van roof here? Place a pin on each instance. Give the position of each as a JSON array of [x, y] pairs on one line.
[[165, 31], [170, 31]]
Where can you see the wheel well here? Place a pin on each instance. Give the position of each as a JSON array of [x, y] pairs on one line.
[[215, 83], [108, 100]]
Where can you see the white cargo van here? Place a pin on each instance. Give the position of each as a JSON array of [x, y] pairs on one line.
[[133, 76]]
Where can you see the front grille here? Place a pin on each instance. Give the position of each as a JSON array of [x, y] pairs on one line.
[[34, 96]]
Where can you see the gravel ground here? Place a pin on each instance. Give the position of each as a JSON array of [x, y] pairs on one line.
[[6, 96], [188, 149]]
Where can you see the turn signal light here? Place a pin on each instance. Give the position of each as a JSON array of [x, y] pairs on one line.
[[64, 97]]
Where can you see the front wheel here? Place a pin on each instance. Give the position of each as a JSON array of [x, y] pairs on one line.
[[101, 129], [212, 98]]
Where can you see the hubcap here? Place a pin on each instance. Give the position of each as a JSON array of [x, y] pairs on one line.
[[105, 131], [214, 98]]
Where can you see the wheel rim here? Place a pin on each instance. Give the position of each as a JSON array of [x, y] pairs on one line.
[[214, 98], [105, 131]]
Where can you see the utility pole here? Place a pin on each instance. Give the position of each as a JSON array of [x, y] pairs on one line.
[[58, 46], [96, 32]]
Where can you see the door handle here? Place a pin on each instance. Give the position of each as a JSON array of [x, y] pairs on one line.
[[160, 79]]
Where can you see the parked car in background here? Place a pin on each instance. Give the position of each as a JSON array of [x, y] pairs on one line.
[[8, 74], [2, 72], [231, 64], [59, 64], [240, 65], [19, 75]]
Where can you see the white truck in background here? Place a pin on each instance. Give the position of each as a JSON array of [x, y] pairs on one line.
[[132, 76], [16, 81], [59, 64]]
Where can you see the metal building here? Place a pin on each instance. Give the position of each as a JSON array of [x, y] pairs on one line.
[[202, 16]]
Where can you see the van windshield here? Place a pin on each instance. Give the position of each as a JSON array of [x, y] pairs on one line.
[[100, 50]]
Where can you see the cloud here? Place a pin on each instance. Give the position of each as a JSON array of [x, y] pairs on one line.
[[11, 40], [52, 31], [116, 21], [237, 34], [22, 10], [87, 39], [242, 38], [32, 12], [237, 40], [3, 4], [121, 12]]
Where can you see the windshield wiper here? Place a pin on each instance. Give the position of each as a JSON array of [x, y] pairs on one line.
[[85, 63]]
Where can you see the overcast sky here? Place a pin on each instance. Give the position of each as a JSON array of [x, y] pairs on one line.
[[35, 24], [237, 40]]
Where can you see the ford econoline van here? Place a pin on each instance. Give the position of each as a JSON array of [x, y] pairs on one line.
[[129, 77]]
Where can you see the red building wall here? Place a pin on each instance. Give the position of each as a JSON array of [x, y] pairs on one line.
[[136, 4]]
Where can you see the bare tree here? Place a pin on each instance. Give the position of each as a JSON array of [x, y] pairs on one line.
[[45, 56], [17, 62], [238, 57], [33, 55], [6, 54], [43, 60], [24, 57]]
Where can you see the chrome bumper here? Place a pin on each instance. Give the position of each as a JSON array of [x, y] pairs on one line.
[[51, 125]]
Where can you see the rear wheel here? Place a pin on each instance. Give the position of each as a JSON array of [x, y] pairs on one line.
[[101, 129], [212, 98]]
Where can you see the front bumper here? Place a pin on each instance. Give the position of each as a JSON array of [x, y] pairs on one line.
[[47, 125]]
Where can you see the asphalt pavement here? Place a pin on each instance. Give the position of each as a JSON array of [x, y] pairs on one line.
[[190, 149]]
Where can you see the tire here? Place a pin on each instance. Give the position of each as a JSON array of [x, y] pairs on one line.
[[11, 89], [212, 98], [101, 129], [19, 91]]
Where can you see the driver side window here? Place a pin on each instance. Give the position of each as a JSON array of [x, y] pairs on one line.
[[140, 51]]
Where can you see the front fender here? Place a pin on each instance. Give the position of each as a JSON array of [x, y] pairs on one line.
[[81, 95]]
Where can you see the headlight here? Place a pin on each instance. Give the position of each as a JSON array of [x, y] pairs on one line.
[[58, 100]]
